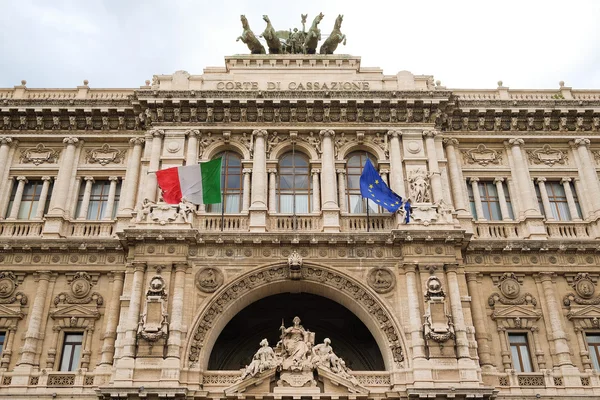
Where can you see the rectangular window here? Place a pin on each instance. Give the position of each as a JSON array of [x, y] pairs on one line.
[[71, 351], [30, 199], [490, 202], [98, 200], [557, 198], [2, 339], [519, 349], [593, 341]]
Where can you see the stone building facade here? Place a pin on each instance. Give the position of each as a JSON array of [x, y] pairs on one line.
[[488, 292]]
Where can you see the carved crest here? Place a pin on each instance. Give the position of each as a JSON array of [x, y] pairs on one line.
[[382, 280], [40, 154], [105, 155], [295, 264], [547, 155], [8, 287], [509, 285], [81, 291], [209, 279], [434, 288], [482, 155], [585, 288], [157, 287]]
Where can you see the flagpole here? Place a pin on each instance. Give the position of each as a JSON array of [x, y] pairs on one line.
[[367, 201], [223, 192]]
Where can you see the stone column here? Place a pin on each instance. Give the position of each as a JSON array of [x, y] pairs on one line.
[[557, 335], [112, 319], [87, 347], [191, 157], [112, 193], [328, 180], [14, 211], [566, 182], [504, 351], [521, 171], [456, 182], [477, 197], [5, 197], [316, 193], [58, 201], [396, 173], [151, 184], [502, 199], [545, 200], [36, 316], [52, 344], [8, 345], [460, 328], [133, 315], [414, 313], [132, 177], [5, 143], [176, 325], [87, 193], [583, 352], [587, 171], [246, 190], [538, 351], [39, 214], [272, 190], [342, 189], [258, 207], [479, 318], [434, 168]]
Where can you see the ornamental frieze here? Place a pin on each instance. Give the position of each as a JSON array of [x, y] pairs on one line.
[[39, 154], [547, 155], [105, 155], [482, 155]]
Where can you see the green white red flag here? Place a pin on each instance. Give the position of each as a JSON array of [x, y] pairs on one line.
[[198, 184]]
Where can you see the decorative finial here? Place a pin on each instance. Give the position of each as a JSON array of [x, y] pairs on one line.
[[85, 82], [499, 83], [147, 82], [561, 83], [438, 83], [23, 82]]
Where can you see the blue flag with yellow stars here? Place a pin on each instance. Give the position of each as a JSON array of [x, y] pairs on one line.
[[374, 188]]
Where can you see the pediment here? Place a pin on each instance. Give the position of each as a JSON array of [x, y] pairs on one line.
[[10, 312], [335, 383], [590, 311], [76, 311], [517, 311], [256, 384]]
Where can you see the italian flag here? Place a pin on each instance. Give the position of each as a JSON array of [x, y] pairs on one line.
[[198, 184]]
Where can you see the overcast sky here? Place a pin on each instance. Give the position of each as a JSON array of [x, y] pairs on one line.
[[465, 44]]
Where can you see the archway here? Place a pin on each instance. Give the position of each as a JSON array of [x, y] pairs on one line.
[[351, 339], [274, 279]]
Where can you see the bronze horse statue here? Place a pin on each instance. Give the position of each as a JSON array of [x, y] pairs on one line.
[[250, 39], [336, 37], [313, 36], [270, 36]]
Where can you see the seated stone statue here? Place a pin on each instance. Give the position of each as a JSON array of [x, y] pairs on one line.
[[263, 360], [323, 356], [297, 343]]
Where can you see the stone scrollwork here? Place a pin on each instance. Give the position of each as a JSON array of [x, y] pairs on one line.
[[509, 285], [482, 155], [81, 291], [382, 280], [585, 287], [209, 279], [510, 292], [40, 154], [8, 287], [526, 298], [547, 155], [279, 273], [105, 155]]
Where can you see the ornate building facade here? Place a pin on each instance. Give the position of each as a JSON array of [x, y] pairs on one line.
[[488, 292]]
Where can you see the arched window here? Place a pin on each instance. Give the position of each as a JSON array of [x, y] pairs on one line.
[[354, 167], [294, 188], [231, 184]]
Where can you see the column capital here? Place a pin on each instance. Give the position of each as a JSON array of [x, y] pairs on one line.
[[88, 178], [43, 275], [581, 142], [181, 266], [540, 180], [327, 133], [410, 267], [270, 170], [113, 178], [137, 141], [384, 171], [474, 179], [341, 171], [157, 133], [192, 132], [247, 171], [450, 142], [22, 179], [137, 265], [496, 180], [451, 267], [394, 133], [46, 178], [118, 275], [516, 142], [546, 276], [260, 133], [472, 276], [315, 171], [5, 140], [70, 141], [565, 180], [430, 133]]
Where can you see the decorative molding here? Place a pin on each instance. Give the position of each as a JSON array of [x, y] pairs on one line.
[[482, 155], [105, 155], [40, 154], [547, 155]]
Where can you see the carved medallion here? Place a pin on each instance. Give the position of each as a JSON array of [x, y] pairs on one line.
[[584, 285], [382, 280], [39, 154], [434, 288], [509, 286], [157, 286], [209, 279], [8, 284], [81, 286]]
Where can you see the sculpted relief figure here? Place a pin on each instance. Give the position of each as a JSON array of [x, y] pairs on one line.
[[263, 360], [323, 356], [296, 345], [249, 39]]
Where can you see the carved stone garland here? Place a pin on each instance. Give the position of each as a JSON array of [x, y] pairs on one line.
[[280, 273]]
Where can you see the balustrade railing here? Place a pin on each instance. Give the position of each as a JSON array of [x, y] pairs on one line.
[[92, 228], [302, 223], [21, 228], [567, 230], [358, 223], [230, 223], [497, 230]]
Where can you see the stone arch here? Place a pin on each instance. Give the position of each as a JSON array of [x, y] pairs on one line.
[[365, 146], [316, 279], [286, 146], [217, 147]]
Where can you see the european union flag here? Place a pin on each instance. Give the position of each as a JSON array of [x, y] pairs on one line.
[[374, 188]]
